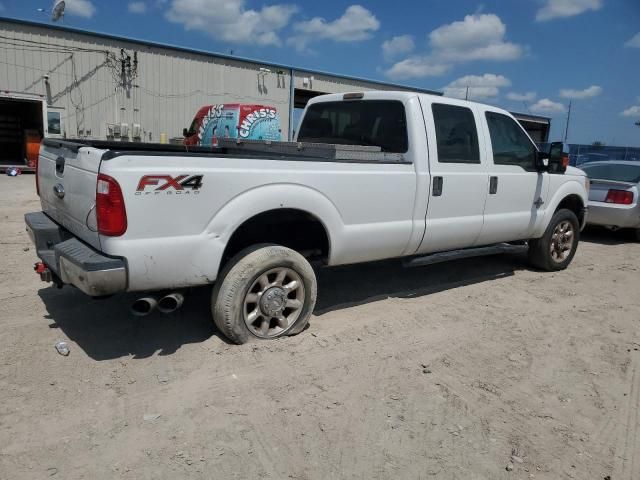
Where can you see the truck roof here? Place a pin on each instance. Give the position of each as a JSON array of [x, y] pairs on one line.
[[399, 95]]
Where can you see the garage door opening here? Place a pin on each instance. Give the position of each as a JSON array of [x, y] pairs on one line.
[[21, 129]]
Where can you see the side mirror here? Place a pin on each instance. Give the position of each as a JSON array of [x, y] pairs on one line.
[[185, 132], [558, 158]]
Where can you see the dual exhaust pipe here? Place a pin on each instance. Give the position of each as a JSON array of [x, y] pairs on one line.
[[167, 304]]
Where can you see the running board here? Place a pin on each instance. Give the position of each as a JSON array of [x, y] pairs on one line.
[[464, 253]]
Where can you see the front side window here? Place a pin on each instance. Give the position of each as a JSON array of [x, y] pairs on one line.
[[510, 144], [380, 123], [456, 134]]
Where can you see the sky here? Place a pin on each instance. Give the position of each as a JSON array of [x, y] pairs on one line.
[[531, 56]]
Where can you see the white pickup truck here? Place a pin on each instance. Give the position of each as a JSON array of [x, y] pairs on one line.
[[371, 176]]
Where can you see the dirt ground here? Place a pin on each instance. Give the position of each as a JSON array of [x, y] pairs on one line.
[[454, 371]]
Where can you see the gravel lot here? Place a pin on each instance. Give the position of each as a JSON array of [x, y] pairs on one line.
[[456, 371]]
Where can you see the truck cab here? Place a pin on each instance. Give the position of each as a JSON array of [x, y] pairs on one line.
[[482, 177]]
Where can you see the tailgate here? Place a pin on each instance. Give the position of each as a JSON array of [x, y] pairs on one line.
[[600, 188], [67, 176]]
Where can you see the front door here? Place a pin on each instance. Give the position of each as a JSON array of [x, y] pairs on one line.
[[517, 191], [459, 181]]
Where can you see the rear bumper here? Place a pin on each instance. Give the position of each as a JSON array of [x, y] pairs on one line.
[[611, 215], [74, 262]]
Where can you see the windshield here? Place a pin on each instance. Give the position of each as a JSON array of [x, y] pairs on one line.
[[613, 171], [379, 123]]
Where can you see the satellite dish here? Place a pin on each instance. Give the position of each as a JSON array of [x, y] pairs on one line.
[[57, 12]]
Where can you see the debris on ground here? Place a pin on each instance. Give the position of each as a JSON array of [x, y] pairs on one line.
[[62, 348]]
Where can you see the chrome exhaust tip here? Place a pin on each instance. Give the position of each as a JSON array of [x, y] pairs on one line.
[[170, 303], [143, 306]]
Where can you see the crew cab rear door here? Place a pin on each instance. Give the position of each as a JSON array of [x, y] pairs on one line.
[[67, 177], [458, 171]]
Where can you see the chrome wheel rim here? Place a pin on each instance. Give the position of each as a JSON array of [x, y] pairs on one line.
[[274, 302], [562, 241]]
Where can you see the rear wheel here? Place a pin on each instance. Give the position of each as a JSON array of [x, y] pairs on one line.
[[264, 292], [636, 234], [556, 248]]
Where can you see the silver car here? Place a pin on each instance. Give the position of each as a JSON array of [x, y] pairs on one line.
[[613, 197]]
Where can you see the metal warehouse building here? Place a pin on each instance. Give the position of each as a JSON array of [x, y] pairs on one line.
[[65, 82], [98, 86]]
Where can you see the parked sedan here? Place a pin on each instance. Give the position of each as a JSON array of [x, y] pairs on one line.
[[613, 198]]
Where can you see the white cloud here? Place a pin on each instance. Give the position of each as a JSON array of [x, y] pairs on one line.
[[479, 86], [397, 46], [545, 105], [633, 111], [137, 7], [356, 24], [566, 8], [81, 8], [634, 41], [522, 97], [476, 37], [590, 92], [230, 21], [416, 67]]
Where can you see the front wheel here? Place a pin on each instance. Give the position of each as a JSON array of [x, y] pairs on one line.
[[556, 248], [264, 292]]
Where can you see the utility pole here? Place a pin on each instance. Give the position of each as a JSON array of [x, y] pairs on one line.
[[566, 128], [466, 96]]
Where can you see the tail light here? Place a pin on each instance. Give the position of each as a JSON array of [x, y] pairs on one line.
[[621, 197], [110, 210]]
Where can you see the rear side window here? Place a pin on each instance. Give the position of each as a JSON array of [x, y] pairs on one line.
[[380, 123], [510, 144], [456, 134]]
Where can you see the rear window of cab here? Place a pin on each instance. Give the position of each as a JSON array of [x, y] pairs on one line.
[[380, 123]]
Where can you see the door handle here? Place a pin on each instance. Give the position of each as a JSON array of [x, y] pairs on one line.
[[437, 186], [60, 161], [493, 185]]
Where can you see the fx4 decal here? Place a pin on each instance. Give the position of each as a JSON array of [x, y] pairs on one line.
[[180, 185]]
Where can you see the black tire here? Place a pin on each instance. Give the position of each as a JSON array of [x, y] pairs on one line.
[[240, 275], [636, 234], [540, 254]]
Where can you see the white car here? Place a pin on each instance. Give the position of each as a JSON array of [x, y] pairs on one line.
[[613, 197], [371, 176]]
